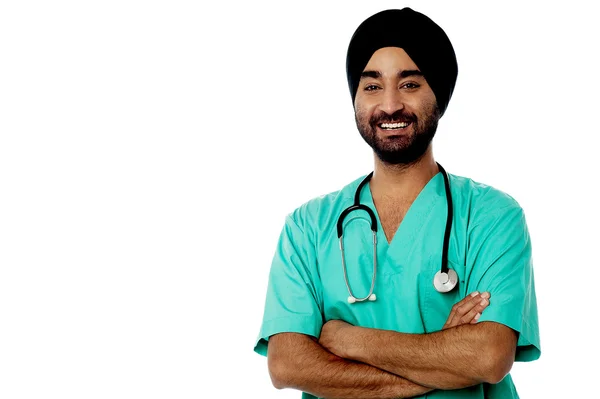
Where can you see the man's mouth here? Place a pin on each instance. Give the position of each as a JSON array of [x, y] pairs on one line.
[[393, 126]]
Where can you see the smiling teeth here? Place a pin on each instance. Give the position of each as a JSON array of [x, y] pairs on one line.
[[394, 125]]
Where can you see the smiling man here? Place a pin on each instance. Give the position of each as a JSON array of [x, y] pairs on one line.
[[434, 295], [385, 123]]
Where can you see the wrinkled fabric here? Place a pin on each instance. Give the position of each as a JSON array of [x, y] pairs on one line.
[[489, 248]]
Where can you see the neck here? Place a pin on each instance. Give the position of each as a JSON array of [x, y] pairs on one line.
[[403, 182]]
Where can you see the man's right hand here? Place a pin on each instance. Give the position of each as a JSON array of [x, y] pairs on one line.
[[468, 310]]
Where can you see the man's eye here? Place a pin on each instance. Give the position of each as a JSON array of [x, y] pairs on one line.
[[371, 87], [410, 85]]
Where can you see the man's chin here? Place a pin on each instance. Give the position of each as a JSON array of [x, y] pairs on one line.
[[394, 145]]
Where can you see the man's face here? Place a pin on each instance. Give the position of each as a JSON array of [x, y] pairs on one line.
[[396, 110]]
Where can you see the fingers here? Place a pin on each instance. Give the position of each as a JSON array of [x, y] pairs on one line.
[[473, 315], [468, 310], [465, 305]]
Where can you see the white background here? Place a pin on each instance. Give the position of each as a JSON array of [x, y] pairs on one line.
[[149, 152]]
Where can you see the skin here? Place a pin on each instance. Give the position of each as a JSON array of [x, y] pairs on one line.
[[469, 349], [480, 353], [301, 362], [392, 89], [468, 310]]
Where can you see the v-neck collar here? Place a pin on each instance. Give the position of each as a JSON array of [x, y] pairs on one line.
[[412, 222]]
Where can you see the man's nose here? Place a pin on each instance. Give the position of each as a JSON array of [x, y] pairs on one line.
[[392, 101]]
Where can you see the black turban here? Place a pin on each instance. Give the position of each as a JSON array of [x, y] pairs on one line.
[[423, 40]]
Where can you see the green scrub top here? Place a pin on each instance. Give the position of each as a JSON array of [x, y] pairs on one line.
[[489, 248]]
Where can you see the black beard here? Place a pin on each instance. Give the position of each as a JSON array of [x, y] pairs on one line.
[[403, 149]]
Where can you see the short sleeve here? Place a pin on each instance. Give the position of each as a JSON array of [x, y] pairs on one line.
[[500, 260], [292, 302]]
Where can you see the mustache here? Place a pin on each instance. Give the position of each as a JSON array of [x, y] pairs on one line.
[[398, 116]]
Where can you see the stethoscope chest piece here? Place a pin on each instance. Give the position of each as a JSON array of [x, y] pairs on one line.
[[445, 282]]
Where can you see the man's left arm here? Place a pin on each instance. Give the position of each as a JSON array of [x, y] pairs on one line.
[[455, 358]]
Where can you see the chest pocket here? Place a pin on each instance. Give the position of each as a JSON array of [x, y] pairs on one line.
[[437, 306]]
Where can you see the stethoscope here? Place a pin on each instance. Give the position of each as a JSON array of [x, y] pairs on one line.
[[444, 280]]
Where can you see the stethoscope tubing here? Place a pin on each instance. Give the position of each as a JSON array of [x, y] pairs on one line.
[[444, 281]]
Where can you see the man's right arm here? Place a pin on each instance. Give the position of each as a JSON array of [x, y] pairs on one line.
[[298, 361]]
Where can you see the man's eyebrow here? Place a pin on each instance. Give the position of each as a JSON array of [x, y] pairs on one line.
[[371, 74], [409, 72], [401, 75]]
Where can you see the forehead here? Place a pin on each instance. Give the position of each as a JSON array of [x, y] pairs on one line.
[[390, 59]]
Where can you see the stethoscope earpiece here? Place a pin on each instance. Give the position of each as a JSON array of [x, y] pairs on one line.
[[352, 299]]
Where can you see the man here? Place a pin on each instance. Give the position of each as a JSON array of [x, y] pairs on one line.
[[347, 318]]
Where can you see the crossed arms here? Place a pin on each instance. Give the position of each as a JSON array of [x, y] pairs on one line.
[[355, 362]]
